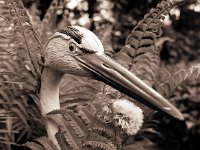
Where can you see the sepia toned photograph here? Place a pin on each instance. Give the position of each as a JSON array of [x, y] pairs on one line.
[[99, 75]]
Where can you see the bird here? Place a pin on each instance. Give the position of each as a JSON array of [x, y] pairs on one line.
[[77, 51]]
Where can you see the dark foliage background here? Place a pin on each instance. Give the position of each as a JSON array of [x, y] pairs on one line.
[[179, 46]]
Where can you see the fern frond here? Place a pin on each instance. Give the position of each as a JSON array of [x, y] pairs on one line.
[[34, 15], [64, 128], [83, 114], [61, 141], [49, 20], [100, 144], [76, 124], [80, 92], [107, 132], [33, 146], [140, 54], [105, 35], [80, 126], [46, 143], [170, 83], [26, 36]]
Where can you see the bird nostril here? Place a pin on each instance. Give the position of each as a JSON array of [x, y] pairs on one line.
[[105, 66]]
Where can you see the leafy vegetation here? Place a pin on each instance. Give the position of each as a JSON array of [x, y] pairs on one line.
[[163, 54]]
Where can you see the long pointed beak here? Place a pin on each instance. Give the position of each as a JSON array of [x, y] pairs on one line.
[[123, 80]]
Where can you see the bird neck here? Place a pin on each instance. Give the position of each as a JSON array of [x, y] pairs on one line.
[[49, 99], [49, 92]]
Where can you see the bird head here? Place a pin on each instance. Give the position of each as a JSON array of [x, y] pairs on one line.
[[78, 51], [67, 46]]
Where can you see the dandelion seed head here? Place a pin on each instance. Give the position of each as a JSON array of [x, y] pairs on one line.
[[124, 114]]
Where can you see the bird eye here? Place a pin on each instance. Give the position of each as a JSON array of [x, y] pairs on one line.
[[71, 47]]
